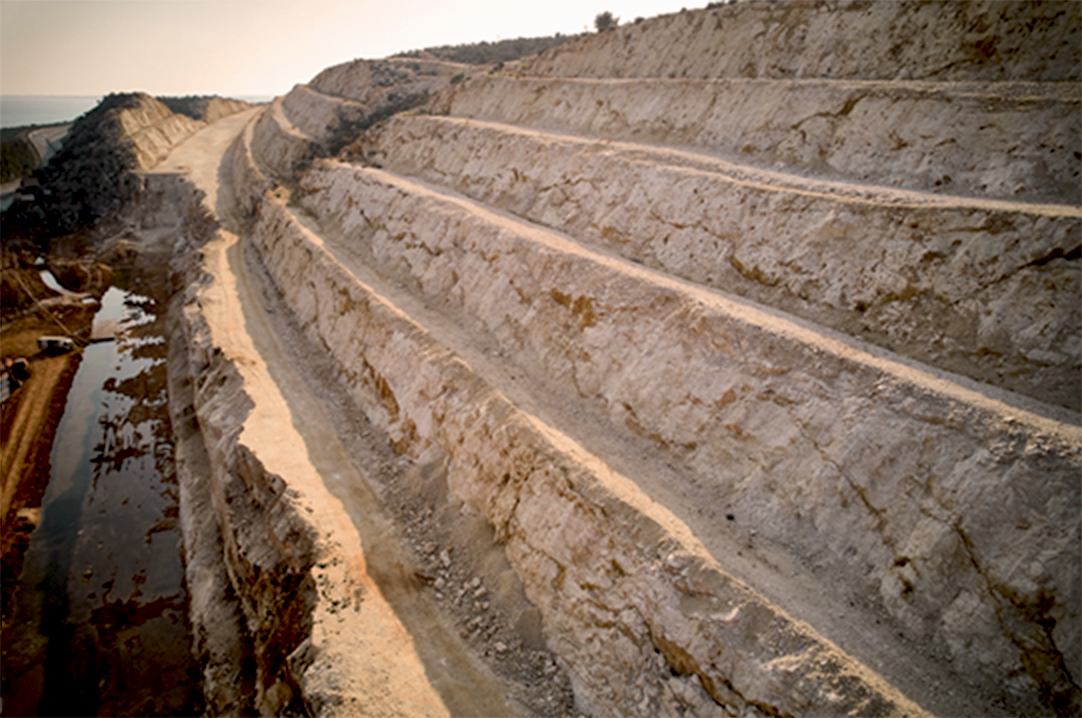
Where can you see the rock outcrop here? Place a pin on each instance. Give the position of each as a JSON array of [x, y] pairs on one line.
[[205, 108], [97, 173], [738, 380], [339, 104]]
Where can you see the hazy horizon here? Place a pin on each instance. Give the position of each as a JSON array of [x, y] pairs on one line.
[[25, 110], [251, 47]]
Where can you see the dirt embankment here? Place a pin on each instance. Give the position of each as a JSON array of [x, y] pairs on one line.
[[936, 40], [205, 108]]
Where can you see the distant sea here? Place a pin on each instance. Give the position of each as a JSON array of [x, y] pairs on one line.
[[20, 110]]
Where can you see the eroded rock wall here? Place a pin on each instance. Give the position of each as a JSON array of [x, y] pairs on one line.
[[836, 38], [249, 181], [743, 397], [377, 83], [205, 108], [266, 548], [1016, 140], [98, 173], [610, 570], [285, 616], [988, 290], [282, 150], [152, 130], [338, 105], [452, 256]]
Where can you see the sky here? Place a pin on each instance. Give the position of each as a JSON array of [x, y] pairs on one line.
[[253, 47]]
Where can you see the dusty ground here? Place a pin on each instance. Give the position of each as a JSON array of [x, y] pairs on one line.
[[29, 420]]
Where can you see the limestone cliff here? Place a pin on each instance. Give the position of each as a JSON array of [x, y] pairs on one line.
[[740, 379], [339, 104]]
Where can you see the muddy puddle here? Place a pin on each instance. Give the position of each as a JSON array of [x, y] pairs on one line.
[[99, 625]]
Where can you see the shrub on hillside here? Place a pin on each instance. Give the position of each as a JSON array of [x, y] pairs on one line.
[[605, 21], [17, 159], [484, 53]]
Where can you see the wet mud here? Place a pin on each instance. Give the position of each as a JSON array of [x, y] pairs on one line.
[[99, 617]]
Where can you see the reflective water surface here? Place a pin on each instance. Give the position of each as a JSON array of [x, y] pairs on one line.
[[101, 603]]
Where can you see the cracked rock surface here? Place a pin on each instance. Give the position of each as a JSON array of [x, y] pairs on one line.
[[621, 381]]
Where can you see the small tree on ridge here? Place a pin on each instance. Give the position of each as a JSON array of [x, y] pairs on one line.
[[604, 21]]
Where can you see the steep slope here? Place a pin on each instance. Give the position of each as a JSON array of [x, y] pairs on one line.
[[969, 285], [1010, 140], [738, 380], [841, 39], [205, 108], [98, 171]]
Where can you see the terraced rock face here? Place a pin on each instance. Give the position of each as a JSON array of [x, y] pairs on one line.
[[341, 102], [739, 380]]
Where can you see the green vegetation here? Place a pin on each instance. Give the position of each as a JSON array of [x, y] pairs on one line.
[[348, 131], [484, 53], [92, 176], [605, 21], [17, 158], [10, 134], [194, 106]]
